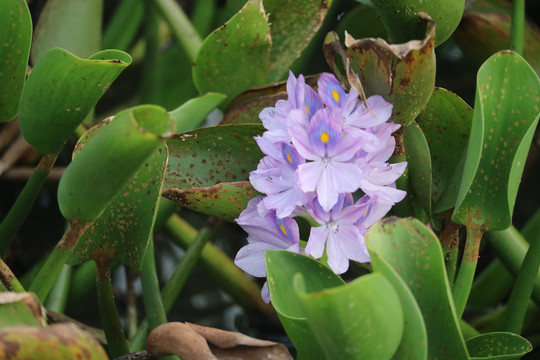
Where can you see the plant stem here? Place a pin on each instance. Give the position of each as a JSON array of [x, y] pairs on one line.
[[45, 279], [523, 288], [122, 28], [449, 238], [149, 81], [491, 286], [462, 286], [511, 248], [116, 341], [184, 32], [153, 305], [176, 282], [57, 299], [517, 28], [22, 206], [8, 279]]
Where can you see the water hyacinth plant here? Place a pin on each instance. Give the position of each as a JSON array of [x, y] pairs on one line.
[[342, 179]]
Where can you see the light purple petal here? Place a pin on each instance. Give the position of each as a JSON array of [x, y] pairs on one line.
[[346, 149], [301, 142], [327, 188], [352, 244], [265, 294], [385, 174], [309, 175], [378, 113], [345, 176], [337, 260], [250, 258], [316, 241]]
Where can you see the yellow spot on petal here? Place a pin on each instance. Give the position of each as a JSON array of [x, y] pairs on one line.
[[324, 137], [335, 95], [307, 109], [283, 230], [289, 158]]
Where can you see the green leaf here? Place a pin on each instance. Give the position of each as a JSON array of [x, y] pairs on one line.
[[224, 200], [108, 162], [60, 92], [362, 22], [123, 230], [504, 121], [281, 266], [419, 165], [123, 26], [446, 122], [20, 309], [15, 37], [293, 25], [414, 252], [401, 17], [403, 74], [414, 341], [208, 168], [498, 346], [362, 320], [235, 57], [72, 25], [192, 113], [59, 341]]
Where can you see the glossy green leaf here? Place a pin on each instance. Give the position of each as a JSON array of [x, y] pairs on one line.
[[402, 74], [235, 57], [485, 29], [498, 346], [224, 200], [401, 18], [74, 25], [504, 121], [20, 309], [414, 341], [361, 320], [362, 22], [415, 254], [64, 341], [292, 25], [15, 37], [419, 165], [281, 266], [123, 230], [192, 113], [446, 122], [108, 162], [208, 168], [73, 86]]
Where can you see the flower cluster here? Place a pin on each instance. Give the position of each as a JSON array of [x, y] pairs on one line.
[[320, 148]]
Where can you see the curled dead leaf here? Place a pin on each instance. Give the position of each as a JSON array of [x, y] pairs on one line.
[[195, 342]]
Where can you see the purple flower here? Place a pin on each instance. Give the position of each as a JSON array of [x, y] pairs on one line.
[[331, 170], [265, 232], [339, 232]]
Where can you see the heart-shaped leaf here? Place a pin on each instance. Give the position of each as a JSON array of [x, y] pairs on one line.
[[71, 25], [414, 252], [235, 57], [361, 320], [505, 117], [74, 86], [281, 266], [15, 37], [401, 17], [498, 346], [445, 122], [109, 160]]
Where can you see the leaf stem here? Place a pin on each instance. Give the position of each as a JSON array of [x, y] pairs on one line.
[[155, 312], [57, 299], [116, 341], [464, 280], [184, 32], [8, 279], [19, 211], [517, 28], [151, 54], [45, 279], [491, 286], [523, 287], [511, 248]]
